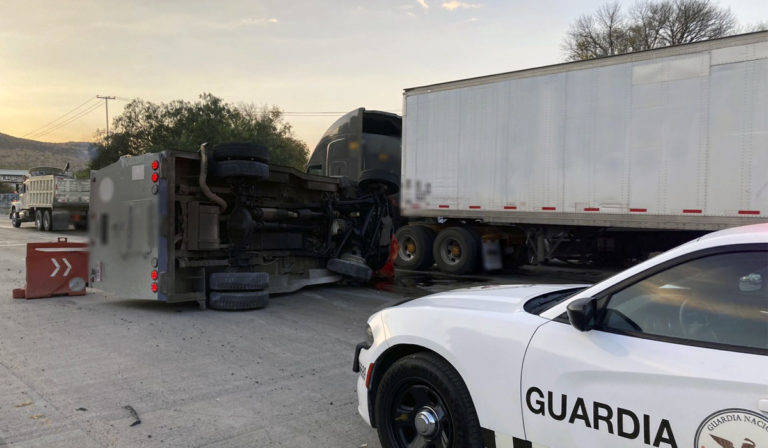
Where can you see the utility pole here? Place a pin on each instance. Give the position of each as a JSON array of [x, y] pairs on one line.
[[106, 104]]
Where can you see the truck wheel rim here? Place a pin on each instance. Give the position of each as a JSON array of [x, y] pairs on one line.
[[450, 252], [407, 249]]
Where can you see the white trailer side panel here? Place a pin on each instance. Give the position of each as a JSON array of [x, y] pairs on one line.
[[738, 137], [678, 141]]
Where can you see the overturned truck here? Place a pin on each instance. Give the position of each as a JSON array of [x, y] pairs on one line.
[[225, 228]]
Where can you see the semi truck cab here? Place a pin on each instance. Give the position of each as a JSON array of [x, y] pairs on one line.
[[360, 141]]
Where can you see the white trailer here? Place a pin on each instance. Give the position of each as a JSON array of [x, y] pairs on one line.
[[589, 153]]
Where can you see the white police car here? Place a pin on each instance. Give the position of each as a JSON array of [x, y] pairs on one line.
[[670, 353]]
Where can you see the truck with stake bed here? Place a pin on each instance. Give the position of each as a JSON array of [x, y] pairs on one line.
[[53, 199]]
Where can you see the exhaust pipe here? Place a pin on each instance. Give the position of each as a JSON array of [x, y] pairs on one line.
[[203, 177]]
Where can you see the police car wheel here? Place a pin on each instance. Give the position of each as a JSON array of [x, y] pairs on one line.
[[423, 402]]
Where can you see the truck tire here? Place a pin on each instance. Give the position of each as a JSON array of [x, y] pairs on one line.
[[241, 151], [238, 281], [237, 300], [457, 250], [38, 220], [370, 178], [15, 220], [352, 269], [415, 247], [239, 168], [47, 221]]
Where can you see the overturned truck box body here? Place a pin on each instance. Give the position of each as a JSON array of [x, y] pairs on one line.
[[226, 229]]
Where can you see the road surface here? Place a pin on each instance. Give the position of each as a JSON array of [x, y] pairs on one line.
[[72, 368]]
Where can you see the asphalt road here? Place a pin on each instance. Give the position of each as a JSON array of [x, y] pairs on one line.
[[277, 377]]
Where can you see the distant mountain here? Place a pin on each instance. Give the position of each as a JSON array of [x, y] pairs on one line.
[[21, 154]]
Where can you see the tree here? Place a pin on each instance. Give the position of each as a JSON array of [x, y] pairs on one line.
[[181, 125], [755, 27], [649, 24], [603, 33]]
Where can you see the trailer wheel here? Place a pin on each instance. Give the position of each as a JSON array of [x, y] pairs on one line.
[[238, 281], [241, 151], [237, 300], [354, 269], [38, 220], [239, 168], [47, 221], [457, 250], [415, 247]]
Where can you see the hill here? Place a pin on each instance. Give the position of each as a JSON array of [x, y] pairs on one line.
[[21, 154]]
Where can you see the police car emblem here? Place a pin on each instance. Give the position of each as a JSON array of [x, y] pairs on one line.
[[733, 428]]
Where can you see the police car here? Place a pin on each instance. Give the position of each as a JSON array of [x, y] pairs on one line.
[[670, 353]]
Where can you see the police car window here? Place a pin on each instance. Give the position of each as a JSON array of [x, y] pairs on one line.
[[718, 299]]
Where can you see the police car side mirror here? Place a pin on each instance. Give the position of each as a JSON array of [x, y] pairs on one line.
[[581, 313]]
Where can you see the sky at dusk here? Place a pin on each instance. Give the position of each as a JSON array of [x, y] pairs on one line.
[[302, 56]]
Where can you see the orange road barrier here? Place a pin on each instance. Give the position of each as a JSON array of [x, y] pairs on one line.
[[59, 268]]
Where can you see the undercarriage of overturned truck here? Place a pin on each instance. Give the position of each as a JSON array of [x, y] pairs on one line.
[[277, 221], [226, 228]]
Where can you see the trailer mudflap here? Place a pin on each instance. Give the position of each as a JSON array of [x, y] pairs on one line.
[[59, 268]]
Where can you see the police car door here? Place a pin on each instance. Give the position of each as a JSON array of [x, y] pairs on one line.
[[678, 358]]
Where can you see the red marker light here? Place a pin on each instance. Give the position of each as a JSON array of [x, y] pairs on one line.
[[368, 376], [155, 164], [155, 177], [154, 275], [154, 287]]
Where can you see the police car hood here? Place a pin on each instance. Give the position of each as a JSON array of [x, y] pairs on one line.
[[497, 298]]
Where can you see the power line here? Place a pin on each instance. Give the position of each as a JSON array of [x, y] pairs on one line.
[[68, 117], [330, 113], [69, 120], [43, 127]]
